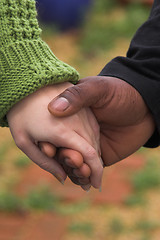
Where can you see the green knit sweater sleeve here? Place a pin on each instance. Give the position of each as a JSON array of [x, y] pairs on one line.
[[26, 62]]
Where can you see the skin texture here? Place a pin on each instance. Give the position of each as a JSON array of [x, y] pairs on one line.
[[72, 162], [125, 122], [30, 123]]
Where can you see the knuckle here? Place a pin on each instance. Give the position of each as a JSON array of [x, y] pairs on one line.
[[60, 133], [20, 142], [75, 92]]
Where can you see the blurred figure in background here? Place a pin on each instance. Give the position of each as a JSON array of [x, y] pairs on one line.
[[66, 15]]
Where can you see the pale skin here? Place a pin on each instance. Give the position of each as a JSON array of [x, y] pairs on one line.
[[30, 123], [125, 122]]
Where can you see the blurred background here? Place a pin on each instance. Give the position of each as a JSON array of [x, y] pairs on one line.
[[33, 205]]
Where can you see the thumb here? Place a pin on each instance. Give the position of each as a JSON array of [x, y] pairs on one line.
[[86, 93]]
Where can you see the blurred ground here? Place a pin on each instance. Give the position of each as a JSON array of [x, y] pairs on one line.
[[33, 205]]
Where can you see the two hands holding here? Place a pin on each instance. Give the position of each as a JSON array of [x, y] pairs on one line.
[[78, 130]]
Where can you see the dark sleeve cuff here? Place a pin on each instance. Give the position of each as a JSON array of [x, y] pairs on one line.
[[149, 89]]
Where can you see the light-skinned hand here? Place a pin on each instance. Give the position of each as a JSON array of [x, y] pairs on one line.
[[30, 122]]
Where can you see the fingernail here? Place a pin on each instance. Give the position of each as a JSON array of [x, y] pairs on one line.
[[88, 190], [60, 104], [100, 189], [59, 178], [86, 187]]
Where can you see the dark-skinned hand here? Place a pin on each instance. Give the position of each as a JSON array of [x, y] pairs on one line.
[[125, 122]]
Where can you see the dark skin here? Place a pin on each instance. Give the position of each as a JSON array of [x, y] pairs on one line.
[[72, 162], [125, 122]]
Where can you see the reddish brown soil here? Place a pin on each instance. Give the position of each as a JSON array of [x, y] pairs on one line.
[[26, 227], [116, 187], [116, 181]]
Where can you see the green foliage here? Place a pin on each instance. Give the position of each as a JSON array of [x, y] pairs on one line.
[[146, 237], [22, 161], [4, 147], [116, 226], [41, 198], [38, 198], [97, 38], [73, 208], [134, 200], [10, 202], [135, 15], [103, 6], [85, 228], [148, 177], [146, 225], [101, 32]]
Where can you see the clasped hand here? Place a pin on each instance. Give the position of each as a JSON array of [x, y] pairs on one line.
[[124, 122], [31, 124]]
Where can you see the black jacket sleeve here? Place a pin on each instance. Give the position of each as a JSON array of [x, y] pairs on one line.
[[141, 67]]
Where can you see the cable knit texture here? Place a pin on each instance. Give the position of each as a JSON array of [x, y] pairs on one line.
[[26, 62]]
